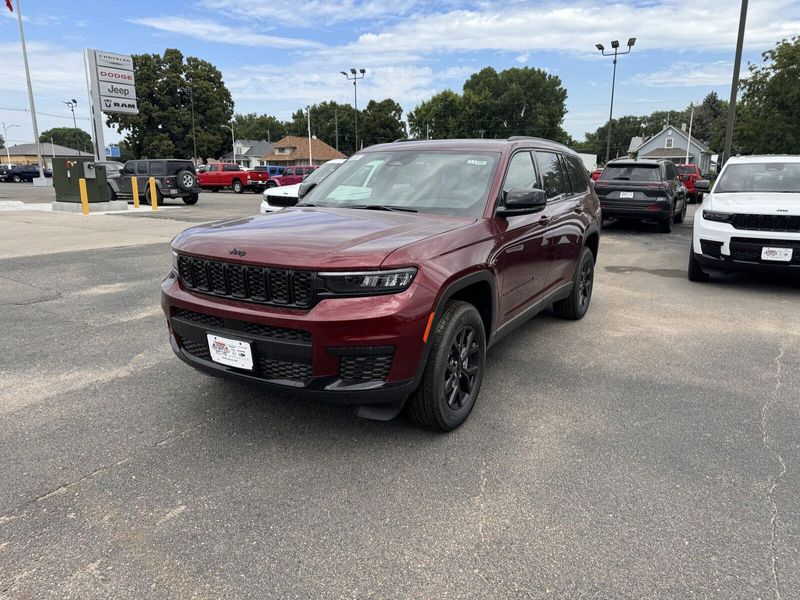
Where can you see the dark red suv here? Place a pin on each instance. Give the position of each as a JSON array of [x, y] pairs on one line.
[[385, 285]]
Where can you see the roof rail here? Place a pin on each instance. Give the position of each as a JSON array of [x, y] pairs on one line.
[[515, 138], [407, 140]]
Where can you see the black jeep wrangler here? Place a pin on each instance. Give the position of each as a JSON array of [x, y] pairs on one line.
[[174, 179]]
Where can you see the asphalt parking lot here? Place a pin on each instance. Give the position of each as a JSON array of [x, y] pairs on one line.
[[647, 451]]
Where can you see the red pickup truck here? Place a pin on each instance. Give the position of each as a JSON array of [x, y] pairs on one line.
[[229, 175]]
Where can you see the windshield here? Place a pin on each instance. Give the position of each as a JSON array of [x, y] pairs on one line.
[[322, 172], [760, 177], [445, 183], [630, 173]]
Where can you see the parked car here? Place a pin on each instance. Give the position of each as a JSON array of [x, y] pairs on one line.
[[393, 290], [174, 179], [596, 174], [643, 189], [230, 175], [273, 170], [279, 197], [20, 173], [690, 174], [750, 220], [291, 175]]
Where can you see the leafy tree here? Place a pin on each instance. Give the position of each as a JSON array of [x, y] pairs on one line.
[[381, 122], [77, 139], [769, 112], [252, 126], [439, 117], [709, 121], [328, 118], [169, 90], [2, 141]]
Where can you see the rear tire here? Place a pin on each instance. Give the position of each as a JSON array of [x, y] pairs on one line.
[[16, 179], [159, 197], [682, 215], [695, 271], [665, 225], [576, 305], [454, 372], [271, 184], [237, 186]]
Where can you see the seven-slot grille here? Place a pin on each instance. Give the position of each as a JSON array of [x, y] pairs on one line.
[[265, 285], [788, 223]]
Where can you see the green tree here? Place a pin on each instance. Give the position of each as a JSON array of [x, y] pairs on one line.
[[169, 91], [77, 139], [2, 141], [439, 117], [328, 119], [252, 126], [769, 111], [709, 121], [381, 122]]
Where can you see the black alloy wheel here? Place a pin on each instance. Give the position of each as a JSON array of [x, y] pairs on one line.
[[461, 369]]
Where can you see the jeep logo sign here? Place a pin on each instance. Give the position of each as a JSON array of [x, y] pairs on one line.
[[117, 90]]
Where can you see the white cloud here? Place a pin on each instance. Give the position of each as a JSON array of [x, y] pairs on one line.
[[687, 74], [212, 31]]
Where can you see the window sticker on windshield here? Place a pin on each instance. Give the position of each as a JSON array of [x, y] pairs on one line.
[[357, 157], [479, 163]]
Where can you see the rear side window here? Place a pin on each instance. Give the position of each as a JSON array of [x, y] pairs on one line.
[[141, 167], [630, 173], [230, 167], [577, 175], [553, 177], [157, 168], [520, 172], [176, 166]]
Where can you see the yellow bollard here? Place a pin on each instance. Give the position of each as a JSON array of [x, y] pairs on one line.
[[153, 194], [135, 189], [84, 196]]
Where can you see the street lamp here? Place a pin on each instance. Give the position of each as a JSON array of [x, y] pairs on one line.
[[615, 47], [5, 140], [233, 140], [354, 75], [72, 104]]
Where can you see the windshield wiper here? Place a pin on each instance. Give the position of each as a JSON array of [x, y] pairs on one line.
[[381, 207]]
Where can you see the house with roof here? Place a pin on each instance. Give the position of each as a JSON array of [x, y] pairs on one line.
[[25, 154], [293, 150], [671, 143], [249, 153]]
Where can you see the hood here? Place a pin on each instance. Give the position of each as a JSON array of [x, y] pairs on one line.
[[283, 191], [759, 203], [314, 238]]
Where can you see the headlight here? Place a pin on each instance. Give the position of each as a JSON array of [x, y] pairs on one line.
[[710, 215], [174, 261], [365, 283]]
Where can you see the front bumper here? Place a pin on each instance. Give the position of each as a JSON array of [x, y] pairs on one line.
[[346, 350]]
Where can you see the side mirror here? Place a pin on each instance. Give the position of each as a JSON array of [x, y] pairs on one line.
[[304, 188], [521, 201], [702, 185]]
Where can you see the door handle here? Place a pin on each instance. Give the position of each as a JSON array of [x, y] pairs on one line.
[[578, 209], [544, 220]]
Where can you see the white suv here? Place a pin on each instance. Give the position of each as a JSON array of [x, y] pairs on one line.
[[751, 219]]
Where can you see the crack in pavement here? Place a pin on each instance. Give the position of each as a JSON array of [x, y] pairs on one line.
[[103, 469], [775, 480]]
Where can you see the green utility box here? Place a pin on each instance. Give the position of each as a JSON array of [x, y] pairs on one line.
[[67, 173]]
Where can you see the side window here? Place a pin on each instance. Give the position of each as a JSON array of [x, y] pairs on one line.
[[552, 174], [141, 167], [230, 167], [157, 168], [130, 168], [577, 175], [520, 173]]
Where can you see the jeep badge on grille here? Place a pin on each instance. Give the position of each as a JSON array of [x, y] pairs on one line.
[[238, 252]]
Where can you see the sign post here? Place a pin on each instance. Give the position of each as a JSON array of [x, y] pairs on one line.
[[112, 89]]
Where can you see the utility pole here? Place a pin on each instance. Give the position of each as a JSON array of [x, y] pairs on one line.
[[30, 93], [737, 64], [354, 76], [310, 162], [5, 141], [72, 104], [689, 143], [336, 126], [615, 47]]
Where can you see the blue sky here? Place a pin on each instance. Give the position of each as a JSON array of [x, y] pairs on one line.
[[277, 56]]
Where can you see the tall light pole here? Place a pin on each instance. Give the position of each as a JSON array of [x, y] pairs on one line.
[[5, 140], [737, 64], [233, 140], [354, 75], [72, 104], [30, 93], [615, 47], [308, 110]]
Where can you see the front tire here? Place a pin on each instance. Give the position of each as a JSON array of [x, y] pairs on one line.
[[454, 372], [16, 179], [575, 305], [237, 186], [695, 271]]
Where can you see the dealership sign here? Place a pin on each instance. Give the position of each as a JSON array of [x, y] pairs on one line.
[[112, 82]]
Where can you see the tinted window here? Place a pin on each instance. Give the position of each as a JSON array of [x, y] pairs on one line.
[[130, 168], [520, 172], [687, 169], [141, 168], [630, 173], [157, 168], [289, 172], [552, 174], [175, 166], [577, 175], [230, 168]]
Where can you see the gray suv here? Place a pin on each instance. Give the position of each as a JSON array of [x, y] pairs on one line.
[[174, 179]]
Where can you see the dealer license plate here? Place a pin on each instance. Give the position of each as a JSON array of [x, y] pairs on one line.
[[233, 353], [779, 254], [626, 194]]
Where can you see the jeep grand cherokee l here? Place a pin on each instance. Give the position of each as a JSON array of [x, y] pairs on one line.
[[390, 290], [646, 190], [751, 219]]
